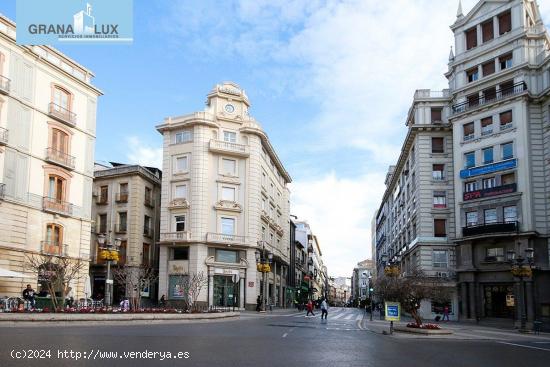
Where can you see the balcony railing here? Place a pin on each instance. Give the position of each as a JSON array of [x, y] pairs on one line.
[[102, 200], [3, 136], [121, 228], [228, 147], [490, 228], [182, 236], [53, 248], [57, 206], [122, 197], [4, 84], [59, 157], [225, 238], [471, 103], [62, 114], [427, 93], [2, 190]]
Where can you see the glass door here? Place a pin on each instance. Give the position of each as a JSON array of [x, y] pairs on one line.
[[226, 292]]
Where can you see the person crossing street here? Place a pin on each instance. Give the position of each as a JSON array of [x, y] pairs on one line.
[[324, 309]]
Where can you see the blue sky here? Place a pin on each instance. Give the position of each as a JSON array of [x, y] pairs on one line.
[[331, 82]]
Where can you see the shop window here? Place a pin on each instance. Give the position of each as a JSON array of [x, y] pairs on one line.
[[180, 253]]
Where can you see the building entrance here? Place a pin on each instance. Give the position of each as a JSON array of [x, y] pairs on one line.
[[226, 292], [495, 300]]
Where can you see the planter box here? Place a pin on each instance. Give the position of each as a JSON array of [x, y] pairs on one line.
[[422, 331]]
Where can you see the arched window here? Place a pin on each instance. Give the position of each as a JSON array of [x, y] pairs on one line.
[[53, 245], [61, 99], [60, 141], [56, 188]]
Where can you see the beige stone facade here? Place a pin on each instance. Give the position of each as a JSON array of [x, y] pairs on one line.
[[47, 137], [223, 190]]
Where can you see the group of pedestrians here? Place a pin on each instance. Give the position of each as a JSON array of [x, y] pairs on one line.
[[324, 309]]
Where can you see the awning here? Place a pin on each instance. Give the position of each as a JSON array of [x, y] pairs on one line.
[[11, 274]]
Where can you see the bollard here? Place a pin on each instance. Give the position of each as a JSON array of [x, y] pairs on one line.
[[391, 327]]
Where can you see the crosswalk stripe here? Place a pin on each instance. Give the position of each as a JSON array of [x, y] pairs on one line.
[[348, 317], [359, 317], [337, 316]]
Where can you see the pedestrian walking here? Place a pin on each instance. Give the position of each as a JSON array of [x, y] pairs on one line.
[[445, 313], [309, 308], [324, 309], [259, 304]]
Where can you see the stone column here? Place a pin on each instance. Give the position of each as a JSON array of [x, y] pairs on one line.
[[529, 301], [281, 298], [472, 300], [464, 302], [241, 293], [273, 299], [210, 288]]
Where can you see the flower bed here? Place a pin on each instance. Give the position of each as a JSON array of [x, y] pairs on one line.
[[111, 310], [424, 326]]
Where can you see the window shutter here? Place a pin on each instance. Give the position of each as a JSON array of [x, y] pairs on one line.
[[505, 22], [486, 121], [471, 38], [506, 117], [487, 30], [489, 68], [439, 228], [468, 129]]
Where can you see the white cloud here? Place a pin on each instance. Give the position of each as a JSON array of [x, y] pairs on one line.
[[140, 153]]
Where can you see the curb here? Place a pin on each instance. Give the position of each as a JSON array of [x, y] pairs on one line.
[[405, 329], [10, 318]]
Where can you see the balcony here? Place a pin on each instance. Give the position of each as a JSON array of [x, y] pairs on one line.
[[58, 157], [2, 190], [56, 206], [225, 238], [4, 85], [220, 146], [431, 94], [490, 228], [489, 193], [62, 114], [149, 202], [121, 197], [3, 136], [53, 248], [121, 228], [102, 200], [182, 236], [147, 231], [503, 93]]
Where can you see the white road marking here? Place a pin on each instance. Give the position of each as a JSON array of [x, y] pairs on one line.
[[338, 316], [284, 335], [349, 316], [359, 317], [525, 346]]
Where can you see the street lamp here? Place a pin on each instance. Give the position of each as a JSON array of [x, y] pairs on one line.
[[109, 252], [263, 264], [521, 271], [370, 296]]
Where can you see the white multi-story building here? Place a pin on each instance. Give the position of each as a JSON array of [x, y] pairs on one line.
[[47, 137], [224, 197]]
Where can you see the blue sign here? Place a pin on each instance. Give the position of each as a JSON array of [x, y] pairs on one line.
[[489, 168], [393, 311], [54, 22]]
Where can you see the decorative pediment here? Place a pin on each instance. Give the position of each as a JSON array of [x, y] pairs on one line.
[[179, 204], [228, 205], [482, 7]]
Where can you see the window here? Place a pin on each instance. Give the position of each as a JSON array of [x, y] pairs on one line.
[[54, 235], [488, 183], [227, 256], [147, 196], [440, 199], [495, 254], [180, 253], [508, 179], [505, 22], [471, 38], [439, 258], [264, 204], [505, 61], [486, 126], [469, 160], [470, 186], [147, 225], [103, 194], [507, 151], [60, 142], [228, 225], [122, 252], [230, 136], [488, 68], [122, 221], [487, 155], [471, 219], [229, 166], [437, 145], [180, 192], [183, 137], [490, 94], [146, 249], [228, 193], [472, 74], [487, 30], [181, 164], [440, 228], [510, 214], [123, 191], [180, 223], [490, 216], [469, 131], [56, 189], [103, 223], [505, 120], [473, 99], [61, 100], [264, 179], [436, 115]]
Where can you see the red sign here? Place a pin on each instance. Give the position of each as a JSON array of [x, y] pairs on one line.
[[251, 284]]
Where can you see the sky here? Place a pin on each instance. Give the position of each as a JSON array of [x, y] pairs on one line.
[[330, 81]]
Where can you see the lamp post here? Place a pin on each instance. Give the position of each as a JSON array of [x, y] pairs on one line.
[[522, 267], [263, 263], [109, 252], [370, 296]]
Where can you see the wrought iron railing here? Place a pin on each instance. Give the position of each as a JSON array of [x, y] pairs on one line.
[[62, 113], [57, 206], [490, 228], [57, 156], [474, 102], [53, 248]]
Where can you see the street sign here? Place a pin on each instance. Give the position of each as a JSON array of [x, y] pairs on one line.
[[393, 311]]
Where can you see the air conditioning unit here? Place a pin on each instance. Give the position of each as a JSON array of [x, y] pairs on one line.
[[442, 274]]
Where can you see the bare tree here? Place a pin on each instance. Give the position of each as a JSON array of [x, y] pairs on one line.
[[57, 273], [135, 280], [410, 290], [190, 286]]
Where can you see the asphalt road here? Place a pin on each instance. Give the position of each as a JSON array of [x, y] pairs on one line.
[[257, 340]]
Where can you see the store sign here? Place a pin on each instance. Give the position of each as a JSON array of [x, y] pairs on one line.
[[487, 193], [393, 311], [489, 168], [251, 284]]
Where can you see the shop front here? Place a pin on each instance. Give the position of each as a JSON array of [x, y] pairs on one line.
[[226, 283]]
